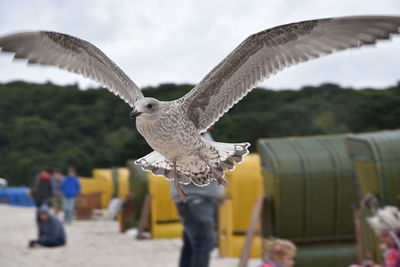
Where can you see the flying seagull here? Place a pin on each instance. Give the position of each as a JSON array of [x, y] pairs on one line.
[[173, 128]]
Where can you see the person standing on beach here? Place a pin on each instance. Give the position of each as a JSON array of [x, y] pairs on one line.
[[42, 190], [198, 216], [57, 181], [70, 188]]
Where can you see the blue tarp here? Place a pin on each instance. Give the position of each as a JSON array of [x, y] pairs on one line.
[[16, 196]]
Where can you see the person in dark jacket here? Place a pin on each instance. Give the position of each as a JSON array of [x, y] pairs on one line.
[[50, 230], [70, 188], [42, 189]]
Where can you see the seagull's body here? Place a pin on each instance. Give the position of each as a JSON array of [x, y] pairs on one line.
[[164, 140], [173, 128], [179, 146]]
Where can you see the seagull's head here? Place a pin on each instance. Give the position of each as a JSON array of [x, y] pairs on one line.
[[145, 107]]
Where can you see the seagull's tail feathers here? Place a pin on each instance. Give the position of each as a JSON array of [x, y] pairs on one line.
[[230, 153], [215, 159], [202, 169]]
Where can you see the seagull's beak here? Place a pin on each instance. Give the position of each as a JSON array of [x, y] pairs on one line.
[[134, 114]]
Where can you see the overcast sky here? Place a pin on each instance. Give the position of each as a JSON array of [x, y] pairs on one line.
[[157, 41]]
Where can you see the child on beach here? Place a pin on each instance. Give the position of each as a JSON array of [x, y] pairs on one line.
[[386, 220], [278, 253], [386, 225]]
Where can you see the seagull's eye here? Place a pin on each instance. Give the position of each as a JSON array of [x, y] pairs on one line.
[[149, 106]]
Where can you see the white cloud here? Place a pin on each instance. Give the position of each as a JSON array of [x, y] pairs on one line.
[[180, 41]]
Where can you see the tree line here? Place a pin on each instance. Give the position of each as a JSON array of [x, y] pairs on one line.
[[61, 126]]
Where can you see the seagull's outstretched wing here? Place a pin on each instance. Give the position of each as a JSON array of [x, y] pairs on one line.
[[72, 54], [267, 52]]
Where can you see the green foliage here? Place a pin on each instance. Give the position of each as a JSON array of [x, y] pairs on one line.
[[50, 125]]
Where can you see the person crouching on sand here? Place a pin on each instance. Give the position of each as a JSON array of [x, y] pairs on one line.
[[50, 229]]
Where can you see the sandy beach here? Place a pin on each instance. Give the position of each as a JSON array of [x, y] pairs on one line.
[[90, 243]]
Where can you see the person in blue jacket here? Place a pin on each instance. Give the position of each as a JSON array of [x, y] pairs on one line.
[[70, 188], [50, 230]]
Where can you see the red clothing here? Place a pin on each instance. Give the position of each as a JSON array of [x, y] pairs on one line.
[[391, 256], [45, 175], [271, 263]]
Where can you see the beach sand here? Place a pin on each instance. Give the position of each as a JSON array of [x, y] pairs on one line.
[[90, 244]]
